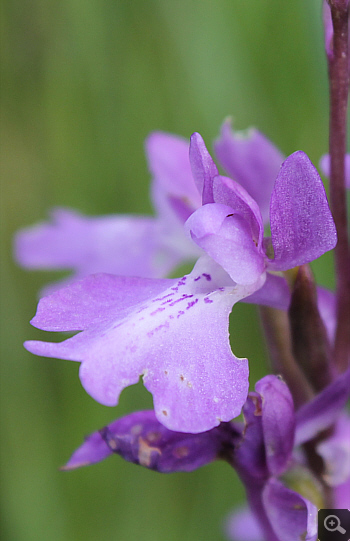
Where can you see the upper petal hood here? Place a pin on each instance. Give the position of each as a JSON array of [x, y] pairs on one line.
[[227, 238]]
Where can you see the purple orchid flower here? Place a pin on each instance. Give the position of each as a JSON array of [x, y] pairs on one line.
[[175, 332], [229, 225], [146, 246], [122, 244], [153, 247], [269, 454], [265, 451]]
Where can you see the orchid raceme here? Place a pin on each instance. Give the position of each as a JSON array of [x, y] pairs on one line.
[[175, 332], [249, 221]]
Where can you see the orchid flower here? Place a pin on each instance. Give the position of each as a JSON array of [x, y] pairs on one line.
[[151, 247], [175, 332], [266, 451]]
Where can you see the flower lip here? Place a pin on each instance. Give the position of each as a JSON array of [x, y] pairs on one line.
[[168, 330]]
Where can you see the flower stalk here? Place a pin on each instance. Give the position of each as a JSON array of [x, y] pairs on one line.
[[338, 68]]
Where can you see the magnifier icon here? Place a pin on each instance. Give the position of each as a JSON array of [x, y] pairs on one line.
[[332, 524]]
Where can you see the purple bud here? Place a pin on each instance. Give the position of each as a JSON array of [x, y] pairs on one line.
[[140, 438]]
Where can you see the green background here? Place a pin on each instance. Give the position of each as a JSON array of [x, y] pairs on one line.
[[83, 82]]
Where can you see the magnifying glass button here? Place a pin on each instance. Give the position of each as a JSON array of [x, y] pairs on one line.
[[332, 524]]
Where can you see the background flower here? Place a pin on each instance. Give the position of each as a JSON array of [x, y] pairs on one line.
[[83, 85]]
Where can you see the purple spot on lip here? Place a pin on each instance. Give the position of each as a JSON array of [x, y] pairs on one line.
[[184, 296], [116, 326], [160, 309], [196, 279], [162, 298], [207, 300], [141, 309], [192, 303], [207, 276], [180, 313], [163, 325], [167, 301]]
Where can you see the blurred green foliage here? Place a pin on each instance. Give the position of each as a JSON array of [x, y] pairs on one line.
[[83, 82]]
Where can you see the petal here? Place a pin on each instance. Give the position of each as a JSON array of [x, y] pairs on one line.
[[252, 160], [274, 293], [173, 191], [326, 302], [254, 489], [302, 226], [168, 161], [267, 441], [335, 452], [124, 245], [203, 168], [291, 516], [140, 438], [342, 495], [278, 422], [176, 336], [228, 192], [227, 238], [323, 410], [241, 525], [95, 301], [325, 168], [94, 449], [249, 457]]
